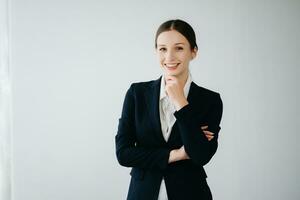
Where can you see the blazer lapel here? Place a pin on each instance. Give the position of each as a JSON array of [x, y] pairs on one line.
[[152, 98]]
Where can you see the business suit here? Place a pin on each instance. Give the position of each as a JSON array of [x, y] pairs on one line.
[[140, 144]]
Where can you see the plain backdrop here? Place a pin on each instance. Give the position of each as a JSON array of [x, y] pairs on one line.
[[73, 61]]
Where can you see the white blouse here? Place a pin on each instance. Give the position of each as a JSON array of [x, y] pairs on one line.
[[167, 120]]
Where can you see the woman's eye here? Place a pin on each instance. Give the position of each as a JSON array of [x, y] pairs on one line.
[[162, 49], [179, 48]]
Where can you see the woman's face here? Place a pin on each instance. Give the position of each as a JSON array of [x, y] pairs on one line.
[[174, 53]]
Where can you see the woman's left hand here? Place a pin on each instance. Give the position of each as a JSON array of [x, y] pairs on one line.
[[178, 154], [208, 134], [175, 92]]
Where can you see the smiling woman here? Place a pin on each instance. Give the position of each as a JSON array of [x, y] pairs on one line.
[[169, 127]]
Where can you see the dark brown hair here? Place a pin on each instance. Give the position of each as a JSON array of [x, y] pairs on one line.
[[182, 27]]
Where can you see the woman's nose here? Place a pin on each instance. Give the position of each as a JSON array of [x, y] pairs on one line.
[[169, 56]]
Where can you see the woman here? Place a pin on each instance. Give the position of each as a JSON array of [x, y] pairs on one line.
[[169, 127]]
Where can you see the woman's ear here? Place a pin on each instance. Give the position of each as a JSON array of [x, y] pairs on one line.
[[194, 53]]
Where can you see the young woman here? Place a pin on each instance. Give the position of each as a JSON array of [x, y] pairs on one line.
[[169, 127]]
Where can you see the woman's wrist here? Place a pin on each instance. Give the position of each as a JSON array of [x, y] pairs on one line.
[[181, 103]]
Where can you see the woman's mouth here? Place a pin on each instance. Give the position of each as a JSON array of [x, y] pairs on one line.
[[171, 66]]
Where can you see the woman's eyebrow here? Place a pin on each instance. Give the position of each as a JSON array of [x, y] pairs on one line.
[[175, 44]]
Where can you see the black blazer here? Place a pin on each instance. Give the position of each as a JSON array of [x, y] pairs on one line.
[[140, 143]]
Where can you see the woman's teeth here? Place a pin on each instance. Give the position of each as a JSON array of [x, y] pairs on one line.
[[172, 65]]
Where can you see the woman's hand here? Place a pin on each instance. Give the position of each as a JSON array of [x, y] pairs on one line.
[[175, 92], [208, 134], [178, 154]]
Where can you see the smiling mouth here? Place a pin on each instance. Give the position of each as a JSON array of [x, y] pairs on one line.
[[172, 65]]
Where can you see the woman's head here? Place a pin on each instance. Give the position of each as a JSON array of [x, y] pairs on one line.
[[175, 43], [180, 26]]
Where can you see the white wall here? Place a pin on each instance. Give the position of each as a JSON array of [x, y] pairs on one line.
[[72, 62], [5, 103]]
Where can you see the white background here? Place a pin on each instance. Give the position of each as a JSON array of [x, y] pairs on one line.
[[72, 62]]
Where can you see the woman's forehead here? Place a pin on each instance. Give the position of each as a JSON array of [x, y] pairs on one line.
[[171, 38]]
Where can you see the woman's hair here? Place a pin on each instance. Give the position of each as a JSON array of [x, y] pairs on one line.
[[182, 27]]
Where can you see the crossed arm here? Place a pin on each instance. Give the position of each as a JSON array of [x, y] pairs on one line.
[[198, 142], [180, 154]]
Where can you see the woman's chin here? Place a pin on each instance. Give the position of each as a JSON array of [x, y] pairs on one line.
[[171, 72]]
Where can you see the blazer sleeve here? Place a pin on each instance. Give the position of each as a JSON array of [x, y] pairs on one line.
[[196, 145], [128, 154]]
